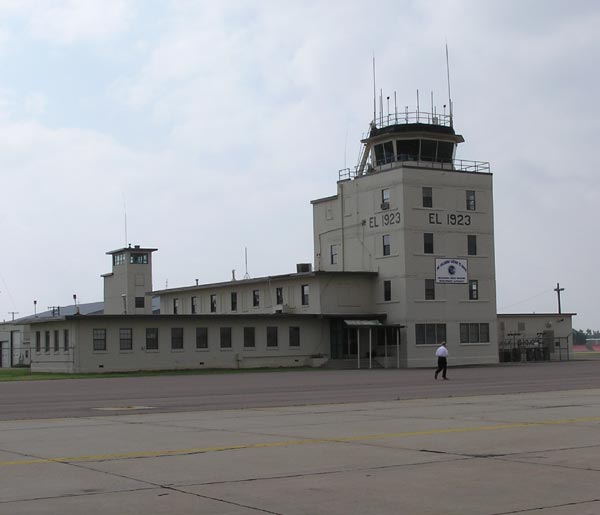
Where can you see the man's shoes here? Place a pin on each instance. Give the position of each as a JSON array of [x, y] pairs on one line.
[[445, 379]]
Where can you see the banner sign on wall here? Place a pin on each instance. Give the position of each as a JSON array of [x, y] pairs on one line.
[[451, 271]]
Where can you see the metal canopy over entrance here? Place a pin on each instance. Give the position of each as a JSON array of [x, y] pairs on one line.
[[370, 325]]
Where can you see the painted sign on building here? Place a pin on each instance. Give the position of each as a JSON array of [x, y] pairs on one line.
[[451, 271]]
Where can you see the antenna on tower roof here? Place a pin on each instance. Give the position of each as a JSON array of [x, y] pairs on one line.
[[374, 92], [448, 77], [125, 212], [246, 275]]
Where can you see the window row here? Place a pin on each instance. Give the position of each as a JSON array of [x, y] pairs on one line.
[[52, 340], [135, 258], [428, 245], [427, 198], [473, 289], [233, 300], [435, 334], [202, 338], [413, 150]]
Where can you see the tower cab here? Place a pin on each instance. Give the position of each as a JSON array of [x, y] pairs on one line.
[[409, 137]]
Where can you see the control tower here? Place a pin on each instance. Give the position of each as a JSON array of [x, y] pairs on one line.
[[423, 219], [127, 289]]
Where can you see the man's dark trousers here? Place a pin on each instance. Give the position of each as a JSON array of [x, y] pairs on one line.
[[442, 366]]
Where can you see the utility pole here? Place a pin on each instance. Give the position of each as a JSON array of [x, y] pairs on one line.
[[558, 289]]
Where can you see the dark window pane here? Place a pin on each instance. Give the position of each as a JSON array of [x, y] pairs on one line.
[[420, 334], [272, 337], [294, 336], [427, 197], [201, 338], [226, 337], [464, 333], [151, 338], [249, 337], [177, 338], [474, 333]]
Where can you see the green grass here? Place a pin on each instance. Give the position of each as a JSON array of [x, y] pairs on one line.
[[24, 374]]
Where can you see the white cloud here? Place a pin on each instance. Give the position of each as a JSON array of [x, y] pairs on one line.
[[72, 21]]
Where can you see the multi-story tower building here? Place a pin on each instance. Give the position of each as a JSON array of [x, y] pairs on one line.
[[128, 288], [423, 221]]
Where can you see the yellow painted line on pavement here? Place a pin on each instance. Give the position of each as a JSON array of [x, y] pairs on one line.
[[290, 443]]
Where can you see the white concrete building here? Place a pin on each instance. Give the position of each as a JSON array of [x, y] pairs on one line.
[[403, 260]]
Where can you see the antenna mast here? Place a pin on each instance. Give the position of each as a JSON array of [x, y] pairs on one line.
[[125, 213], [448, 78], [374, 92], [246, 276]]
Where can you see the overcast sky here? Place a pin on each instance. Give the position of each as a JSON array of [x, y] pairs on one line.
[[216, 123]]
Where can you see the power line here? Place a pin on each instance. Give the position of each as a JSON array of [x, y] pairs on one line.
[[525, 300]]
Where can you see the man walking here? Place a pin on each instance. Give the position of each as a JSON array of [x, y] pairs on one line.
[[442, 360]]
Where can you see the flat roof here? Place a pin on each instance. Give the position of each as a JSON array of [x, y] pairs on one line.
[[242, 282], [135, 248], [536, 314]]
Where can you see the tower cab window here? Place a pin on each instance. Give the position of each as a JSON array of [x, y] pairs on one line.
[[138, 258], [384, 153], [119, 259]]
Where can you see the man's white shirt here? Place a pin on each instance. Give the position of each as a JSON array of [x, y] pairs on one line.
[[441, 352]]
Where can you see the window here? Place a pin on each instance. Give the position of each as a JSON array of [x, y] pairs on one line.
[[272, 337], [225, 337], [249, 338], [176, 338], [233, 301], [139, 302], [385, 196], [66, 340], [305, 294], [475, 333], [384, 153], [175, 306], [256, 298], [429, 289], [279, 295], [334, 254], [430, 334], [473, 290], [521, 327], [47, 341], [294, 336], [427, 197], [125, 339], [138, 258], [38, 341], [428, 243], [56, 341], [99, 339], [193, 305], [387, 290], [213, 303], [118, 259], [151, 338], [470, 200], [386, 245], [472, 245], [201, 337]]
